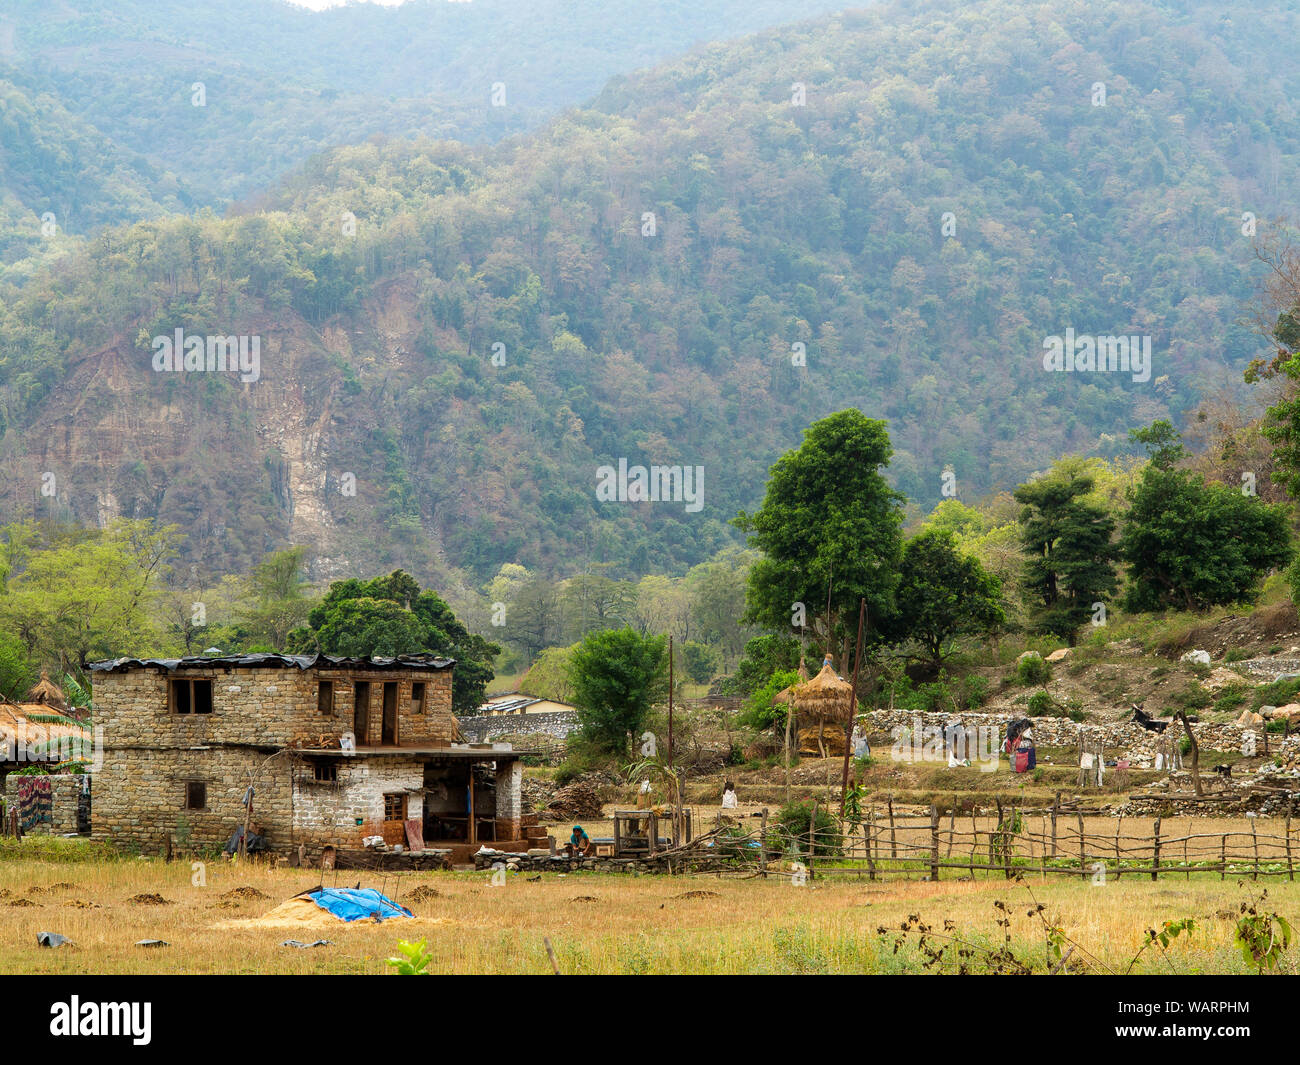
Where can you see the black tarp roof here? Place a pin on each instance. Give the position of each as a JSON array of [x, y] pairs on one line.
[[431, 663]]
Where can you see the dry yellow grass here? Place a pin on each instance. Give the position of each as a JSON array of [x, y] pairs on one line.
[[597, 923]]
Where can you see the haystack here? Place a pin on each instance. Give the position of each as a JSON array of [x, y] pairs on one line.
[[824, 699], [46, 692]]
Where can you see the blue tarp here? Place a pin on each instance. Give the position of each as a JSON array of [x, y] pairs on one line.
[[357, 904]]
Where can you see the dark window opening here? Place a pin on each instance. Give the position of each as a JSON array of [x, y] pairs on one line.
[[325, 697], [325, 772], [417, 697], [191, 696], [196, 795]]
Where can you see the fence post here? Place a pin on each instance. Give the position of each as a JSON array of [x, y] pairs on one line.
[[1083, 862], [1056, 809], [1254, 842], [812, 838], [893, 841], [762, 846], [934, 842], [1290, 871], [1223, 856], [1155, 852], [871, 831]]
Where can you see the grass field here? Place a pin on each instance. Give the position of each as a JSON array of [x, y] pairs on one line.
[[596, 923]]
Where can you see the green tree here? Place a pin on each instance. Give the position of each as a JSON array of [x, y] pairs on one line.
[[1192, 545], [393, 616], [764, 655], [1070, 558], [943, 594], [700, 662], [617, 675], [828, 520]]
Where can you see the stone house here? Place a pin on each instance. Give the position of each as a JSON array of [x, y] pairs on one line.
[[335, 750]]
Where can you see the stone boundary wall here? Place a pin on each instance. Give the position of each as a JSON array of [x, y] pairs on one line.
[[1125, 736], [483, 727], [523, 862]]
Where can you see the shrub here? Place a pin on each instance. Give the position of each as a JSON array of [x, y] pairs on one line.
[[792, 827], [1033, 670], [1041, 704], [1235, 654]]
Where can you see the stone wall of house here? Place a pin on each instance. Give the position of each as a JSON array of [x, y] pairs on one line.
[[65, 792], [269, 708], [482, 728], [141, 797]]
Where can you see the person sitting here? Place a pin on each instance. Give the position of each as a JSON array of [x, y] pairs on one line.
[[579, 843], [729, 796]]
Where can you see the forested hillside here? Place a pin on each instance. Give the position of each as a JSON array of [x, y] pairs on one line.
[[688, 271], [280, 82]]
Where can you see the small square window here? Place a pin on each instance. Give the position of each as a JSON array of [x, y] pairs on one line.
[[325, 772], [395, 807], [196, 795]]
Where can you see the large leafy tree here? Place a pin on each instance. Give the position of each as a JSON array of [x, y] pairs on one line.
[[617, 675], [393, 616], [72, 595], [1192, 545], [1070, 557], [943, 594], [829, 521]]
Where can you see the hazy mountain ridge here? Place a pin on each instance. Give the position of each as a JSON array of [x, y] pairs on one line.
[[774, 225]]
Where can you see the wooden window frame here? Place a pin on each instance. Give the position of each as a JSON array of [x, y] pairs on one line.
[[325, 697], [323, 772], [203, 786], [399, 799], [192, 687], [418, 704]]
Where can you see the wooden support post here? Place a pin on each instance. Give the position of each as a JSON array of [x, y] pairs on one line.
[[1119, 870], [762, 846], [1155, 852], [952, 828], [934, 842], [1223, 856]]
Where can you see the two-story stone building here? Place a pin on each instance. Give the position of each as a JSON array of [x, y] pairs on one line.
[[335, 750]]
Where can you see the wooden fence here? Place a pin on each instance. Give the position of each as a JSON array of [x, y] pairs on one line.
[[888, 843]]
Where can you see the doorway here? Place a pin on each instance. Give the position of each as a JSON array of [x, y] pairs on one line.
[[361, 711]]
